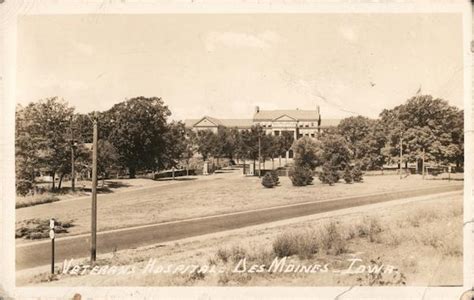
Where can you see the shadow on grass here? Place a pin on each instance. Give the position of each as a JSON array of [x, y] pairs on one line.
[[224, 171], [116, 184], [177, 179], [452, 179]]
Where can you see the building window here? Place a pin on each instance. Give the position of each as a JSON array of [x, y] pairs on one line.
[[306, 125], [277, 132], [312, 135]]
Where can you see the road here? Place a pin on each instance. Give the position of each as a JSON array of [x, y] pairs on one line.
[[39, 253]]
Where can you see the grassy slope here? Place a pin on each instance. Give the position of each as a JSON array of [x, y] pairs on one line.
[[423, 239], [217, 194]]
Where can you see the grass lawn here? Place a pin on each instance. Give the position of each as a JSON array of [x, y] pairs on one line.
[[420, 237], [218, 193]]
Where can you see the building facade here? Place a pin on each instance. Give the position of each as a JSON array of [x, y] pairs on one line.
[[297, 122]]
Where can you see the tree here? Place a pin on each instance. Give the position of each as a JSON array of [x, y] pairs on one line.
[[354, 130], [190, 148], [425, 123], [307, 152], [335, 151], [307, 157], [365, 138], [275, 177], [357, 173], [228, 139], [175, 146], [300, 175], [286, 141], [138, 133], [248, 148], [26, 154], [107, 157], [347, 174], [42, 139], [206, 143], [267, 181], [271, 147], [329, 173]]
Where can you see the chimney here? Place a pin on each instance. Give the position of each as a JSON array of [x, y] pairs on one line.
[[257, 109]]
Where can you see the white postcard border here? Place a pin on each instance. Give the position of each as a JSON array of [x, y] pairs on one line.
[[11, 10]]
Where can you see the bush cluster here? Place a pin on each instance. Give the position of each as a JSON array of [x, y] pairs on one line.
[[23, 186], [353, 174], [39, 228], [270, 179], [300, 175], [330, 239], [348, 175], [357, 174], [329, 174]]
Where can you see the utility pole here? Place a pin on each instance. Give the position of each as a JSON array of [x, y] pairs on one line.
[[94, 195], [259, 156], [73, 183], [401, 154]]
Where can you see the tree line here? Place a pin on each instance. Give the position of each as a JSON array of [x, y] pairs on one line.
[[137, 135]]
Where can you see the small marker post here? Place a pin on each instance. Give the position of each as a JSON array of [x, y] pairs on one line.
[[51, 236]]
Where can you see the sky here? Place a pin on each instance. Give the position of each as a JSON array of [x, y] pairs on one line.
[[223, 65]]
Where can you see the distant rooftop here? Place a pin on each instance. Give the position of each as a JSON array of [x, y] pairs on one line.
[[298, 114], [240, 123]]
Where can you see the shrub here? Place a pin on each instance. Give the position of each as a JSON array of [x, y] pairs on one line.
[[300, 176], [285, 245], [347, 175], [275, 178], [223, 255], [332, 239], [39, 228], [374, 229], [329, 174], [238, 253], [267, 181], [30, 201], [357, 174], [307, 245], [23, 187]]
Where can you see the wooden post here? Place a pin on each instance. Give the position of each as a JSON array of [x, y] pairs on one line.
[[94, 196], [51, 236]]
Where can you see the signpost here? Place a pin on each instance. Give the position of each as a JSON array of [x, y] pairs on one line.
[[52, 236]]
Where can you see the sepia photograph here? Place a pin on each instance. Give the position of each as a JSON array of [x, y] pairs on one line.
[[240, 150]]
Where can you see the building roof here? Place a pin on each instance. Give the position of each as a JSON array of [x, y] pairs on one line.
[[189, 123], [298, 114], [265, 115], [329, 122], [240, 123]]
